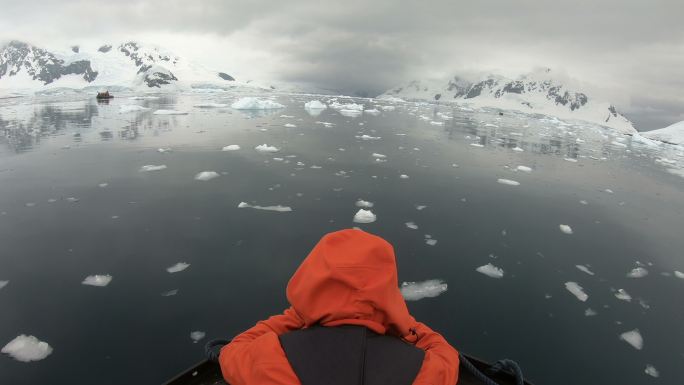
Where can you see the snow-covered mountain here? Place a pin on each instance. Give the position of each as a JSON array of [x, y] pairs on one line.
[[536, 92], [673, 134], [129, 64]]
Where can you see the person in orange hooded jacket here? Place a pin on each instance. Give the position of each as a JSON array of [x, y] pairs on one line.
[[349, 278]]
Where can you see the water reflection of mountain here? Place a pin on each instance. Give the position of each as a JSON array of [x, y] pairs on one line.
[[23, 126]]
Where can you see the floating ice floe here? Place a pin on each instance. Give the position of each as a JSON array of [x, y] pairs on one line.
[[364, 216], [169, 293], [97, 280], [3, 284], [414, 291], [289, 125], [352, 107], [196, 336], [315, 105], [231, 147], [362, 203], [420, 207], [177, 268], [590, 312], [207, 175], [435, 123], [430, 242], [251, 103], [163, 150], [637, 272], [367, 137], [403, 176], [584, 202], [609, 191], [411, 225], [524, 169], [152, 167], [477, 145], [566, 229], [573, 160], [576, 290], [634, 338], [584, 269], [379, 156], [210, 105], [326, 124], [490, 271], [266, 148], [508, 182], [679, 274], [372, 111], [169, 112], [126, 108], [652, 371], [278, 208], [621, 294], [27, 348], [103, 185]]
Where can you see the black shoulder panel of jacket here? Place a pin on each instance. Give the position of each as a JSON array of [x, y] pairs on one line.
[[350, 355]]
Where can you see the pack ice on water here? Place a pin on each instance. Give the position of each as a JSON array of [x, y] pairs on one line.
[[413, 291]]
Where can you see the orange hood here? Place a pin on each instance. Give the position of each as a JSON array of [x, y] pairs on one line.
[[350, 277]]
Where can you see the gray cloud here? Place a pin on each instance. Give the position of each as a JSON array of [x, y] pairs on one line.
[[629, 51]]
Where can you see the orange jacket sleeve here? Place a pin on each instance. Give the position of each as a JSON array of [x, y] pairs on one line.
[[440, 365], [255, 356]]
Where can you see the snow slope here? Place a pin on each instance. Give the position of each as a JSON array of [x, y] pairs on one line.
[[673, 134], [537, 92]]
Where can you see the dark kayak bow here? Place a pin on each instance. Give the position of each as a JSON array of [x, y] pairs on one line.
[[472, 371]]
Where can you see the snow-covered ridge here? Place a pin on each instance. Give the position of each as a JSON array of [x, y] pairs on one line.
[[536, 92], [673, 134], [129, 64]]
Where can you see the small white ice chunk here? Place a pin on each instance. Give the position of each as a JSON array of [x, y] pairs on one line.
[[652, 371], [679, 274], [379, 156], [590, 312], [524, 169], [27, 348], [637, 272], [364, 216], [403, 176], [251, 103], [490, 271], [152, 167], [508, 182], [315, 105], [177, 268], [97, 280], [289, 125], [584, 269], [566, 229], [634, 338], [266, 148], [431, 242], [576, 290], [3, 284], [362, 203], [413, 291], [277, 208], [231, 147], [621, 294], [197, 335], [207, 175], [411, 225]]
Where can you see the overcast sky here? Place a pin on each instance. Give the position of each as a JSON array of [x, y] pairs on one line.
[[629, 52]]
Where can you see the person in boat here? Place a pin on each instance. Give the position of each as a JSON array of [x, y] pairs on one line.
[[349, 278]]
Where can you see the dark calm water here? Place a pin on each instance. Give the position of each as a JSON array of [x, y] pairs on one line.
[[141, 223]]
